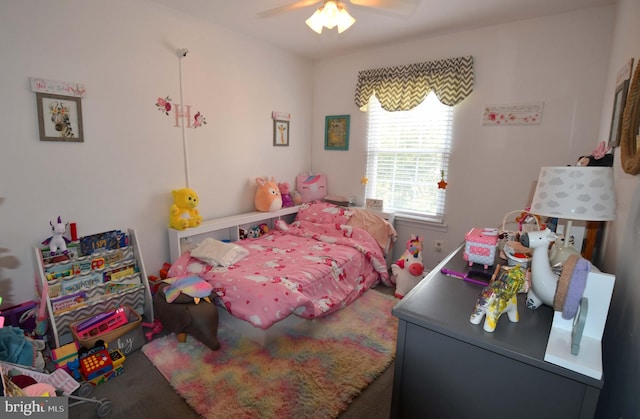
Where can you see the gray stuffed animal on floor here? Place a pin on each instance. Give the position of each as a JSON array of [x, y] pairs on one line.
[[183, 317]]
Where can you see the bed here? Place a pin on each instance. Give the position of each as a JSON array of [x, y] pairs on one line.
[[317, 264]]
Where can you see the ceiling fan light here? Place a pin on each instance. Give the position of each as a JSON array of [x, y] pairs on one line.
[[345, 20], [330, 13], [315, 22]]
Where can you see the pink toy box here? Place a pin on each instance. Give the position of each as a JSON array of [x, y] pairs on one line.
[[480, 246]]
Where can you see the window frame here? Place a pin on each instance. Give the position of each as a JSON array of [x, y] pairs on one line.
[[439, 136]]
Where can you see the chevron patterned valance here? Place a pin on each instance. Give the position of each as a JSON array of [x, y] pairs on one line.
[[404, 87]]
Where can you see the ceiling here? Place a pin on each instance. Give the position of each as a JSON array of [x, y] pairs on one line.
[[373, 27]]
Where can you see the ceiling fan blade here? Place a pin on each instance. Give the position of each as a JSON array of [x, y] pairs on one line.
[[288, 8], [400, 7]]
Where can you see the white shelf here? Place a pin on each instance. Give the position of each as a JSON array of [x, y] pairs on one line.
[[598, 290], [587, 362], [138, 297], [225, 228]]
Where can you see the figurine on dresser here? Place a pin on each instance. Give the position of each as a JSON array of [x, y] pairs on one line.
[[499, 297]]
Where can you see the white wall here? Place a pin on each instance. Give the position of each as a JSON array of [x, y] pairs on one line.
[[122, 175], [621, 342], [560, 60], [624, 46]]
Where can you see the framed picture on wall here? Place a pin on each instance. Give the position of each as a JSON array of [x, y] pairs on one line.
[[336, 132], [619, 102], [59, 118], [280, 133]]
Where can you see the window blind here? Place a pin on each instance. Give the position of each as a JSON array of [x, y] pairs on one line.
[[406, 154]]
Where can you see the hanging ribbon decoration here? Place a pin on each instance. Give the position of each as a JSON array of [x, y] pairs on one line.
[[182, 114]]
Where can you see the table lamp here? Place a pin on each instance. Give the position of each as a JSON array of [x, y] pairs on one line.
[[572, 193]]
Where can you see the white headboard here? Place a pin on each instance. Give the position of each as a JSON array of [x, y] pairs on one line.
[[226, 228]]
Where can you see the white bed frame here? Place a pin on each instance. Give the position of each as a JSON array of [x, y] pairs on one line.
[[228, 228]]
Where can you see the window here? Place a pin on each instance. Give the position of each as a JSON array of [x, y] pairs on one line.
[[406, 154]]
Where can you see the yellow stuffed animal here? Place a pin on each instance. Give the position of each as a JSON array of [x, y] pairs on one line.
[[183, 212]]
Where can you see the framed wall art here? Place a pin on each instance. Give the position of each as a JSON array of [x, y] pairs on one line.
[[280, 133], [59, 118], [336, 132], [619, 102]]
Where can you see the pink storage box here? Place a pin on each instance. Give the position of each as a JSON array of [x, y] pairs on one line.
[[480, 246]]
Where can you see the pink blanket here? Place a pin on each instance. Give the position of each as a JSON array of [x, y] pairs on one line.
[[303, 268]]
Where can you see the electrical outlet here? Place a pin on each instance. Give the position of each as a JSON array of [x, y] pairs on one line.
[[438, 245]]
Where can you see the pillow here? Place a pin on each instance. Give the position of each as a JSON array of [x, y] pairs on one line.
[[323, 213], [214, 252], [311, 187]]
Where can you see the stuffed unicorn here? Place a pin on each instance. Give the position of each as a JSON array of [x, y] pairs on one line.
[[498, 298], [57, 241], [193, 286], [409, 269]]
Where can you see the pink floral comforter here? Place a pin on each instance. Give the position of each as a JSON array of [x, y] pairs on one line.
[[303, 268]]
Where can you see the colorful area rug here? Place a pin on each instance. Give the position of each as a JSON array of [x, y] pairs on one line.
[[314, 373]]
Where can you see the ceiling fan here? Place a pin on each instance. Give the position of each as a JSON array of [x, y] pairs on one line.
[[333, 13]]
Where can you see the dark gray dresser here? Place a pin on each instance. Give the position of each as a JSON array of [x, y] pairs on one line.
[[447, 367]]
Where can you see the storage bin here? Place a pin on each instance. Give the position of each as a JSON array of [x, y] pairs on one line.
[[21, 315], [134, 322], [516, 258], [480, 246]]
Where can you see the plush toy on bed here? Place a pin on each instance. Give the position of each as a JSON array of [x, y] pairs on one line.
[[296, 198], [268, 197], [287, 200], [409, 269], [184, 212]]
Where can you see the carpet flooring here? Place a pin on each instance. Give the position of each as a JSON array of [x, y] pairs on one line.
[[312, 371], [142, 391]]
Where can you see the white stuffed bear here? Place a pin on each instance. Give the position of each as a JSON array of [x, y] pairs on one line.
[[409, 269]]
